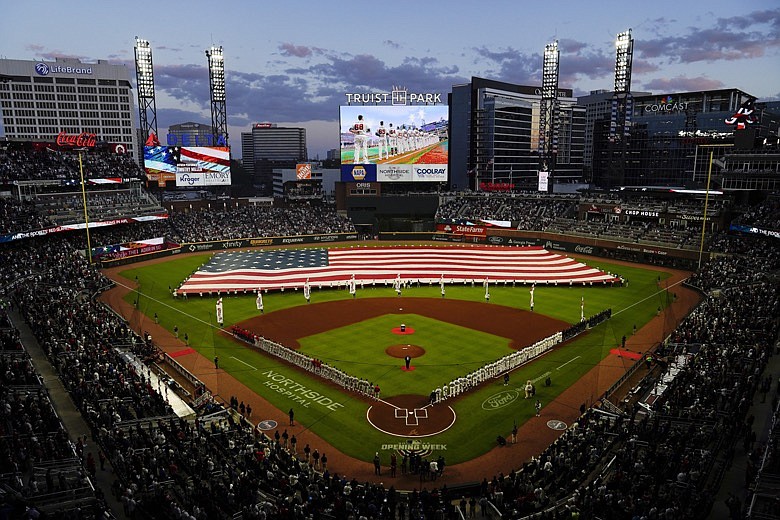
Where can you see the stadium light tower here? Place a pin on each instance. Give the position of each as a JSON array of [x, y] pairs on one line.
[[622, 106], [548, 112], [144, 74], [217, 85]]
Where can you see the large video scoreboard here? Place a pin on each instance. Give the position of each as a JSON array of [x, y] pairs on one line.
[[394, 143], [188, 165]]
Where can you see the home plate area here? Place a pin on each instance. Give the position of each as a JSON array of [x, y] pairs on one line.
[[411, 417]]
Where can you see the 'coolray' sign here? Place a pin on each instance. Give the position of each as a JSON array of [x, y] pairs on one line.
[[429, 172]]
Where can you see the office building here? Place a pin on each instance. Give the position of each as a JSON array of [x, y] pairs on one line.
[[671, 137], [192, 134], [45, 100], [268, 146], [598, 107], [494, 136]]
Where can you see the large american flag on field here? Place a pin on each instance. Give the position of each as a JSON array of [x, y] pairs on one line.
[[247, 271]]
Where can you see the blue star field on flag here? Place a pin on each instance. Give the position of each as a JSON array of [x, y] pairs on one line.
[[275, 259]]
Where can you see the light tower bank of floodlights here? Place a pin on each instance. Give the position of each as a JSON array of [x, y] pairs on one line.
[[144, 74], [622, 108], [548, 115], [217, 86]]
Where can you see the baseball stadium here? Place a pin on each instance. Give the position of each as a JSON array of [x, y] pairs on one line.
[[423, 326]]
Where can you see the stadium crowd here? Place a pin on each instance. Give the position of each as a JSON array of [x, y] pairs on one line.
[[258, 221], [612, 466], [34, 164], [765, 215], [655, 464]]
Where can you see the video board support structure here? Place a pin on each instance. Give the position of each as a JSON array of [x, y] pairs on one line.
[[548, 112], [144, 73], [217, 87]]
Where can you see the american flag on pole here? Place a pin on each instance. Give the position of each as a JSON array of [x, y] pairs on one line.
[[246, 271]]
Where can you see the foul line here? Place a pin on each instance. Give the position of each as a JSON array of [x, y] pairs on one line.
[[540, 377], [385, 402], [651, 296], [160, 302], [244, 362], [569, 361]]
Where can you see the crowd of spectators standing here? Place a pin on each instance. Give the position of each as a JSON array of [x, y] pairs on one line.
[[765, 215], [259, 221], [658, 465], [639, 464], [41, 467], [35, 164], [529, 212], [16, 216]]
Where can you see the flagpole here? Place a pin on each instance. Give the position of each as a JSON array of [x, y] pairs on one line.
[[706, 201], [86, 216]]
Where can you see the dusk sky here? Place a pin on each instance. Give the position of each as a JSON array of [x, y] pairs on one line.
[[292, 62]]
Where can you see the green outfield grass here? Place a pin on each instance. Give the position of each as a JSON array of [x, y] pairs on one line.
[[340, 417]]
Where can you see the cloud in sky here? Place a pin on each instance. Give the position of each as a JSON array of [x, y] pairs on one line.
[[298, 51], [302, 77], [753, 35], [683, 84]]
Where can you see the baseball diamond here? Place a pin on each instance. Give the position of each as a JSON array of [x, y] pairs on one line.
[[286, 319]]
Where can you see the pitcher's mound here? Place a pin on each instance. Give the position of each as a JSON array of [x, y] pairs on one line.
[[401, 351]]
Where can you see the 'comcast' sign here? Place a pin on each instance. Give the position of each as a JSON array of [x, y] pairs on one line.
[[667, 104]]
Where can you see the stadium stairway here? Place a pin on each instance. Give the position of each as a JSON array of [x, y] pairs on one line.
[[68, 412], [733, 482]]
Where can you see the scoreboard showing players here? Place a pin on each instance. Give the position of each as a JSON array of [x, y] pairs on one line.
[[394, 143]]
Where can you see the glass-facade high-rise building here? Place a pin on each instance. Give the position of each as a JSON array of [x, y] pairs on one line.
[[494, 135], [268, 146], [598, 107], [670, 140]]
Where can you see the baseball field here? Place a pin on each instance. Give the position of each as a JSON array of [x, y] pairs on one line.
[[450, 337]]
